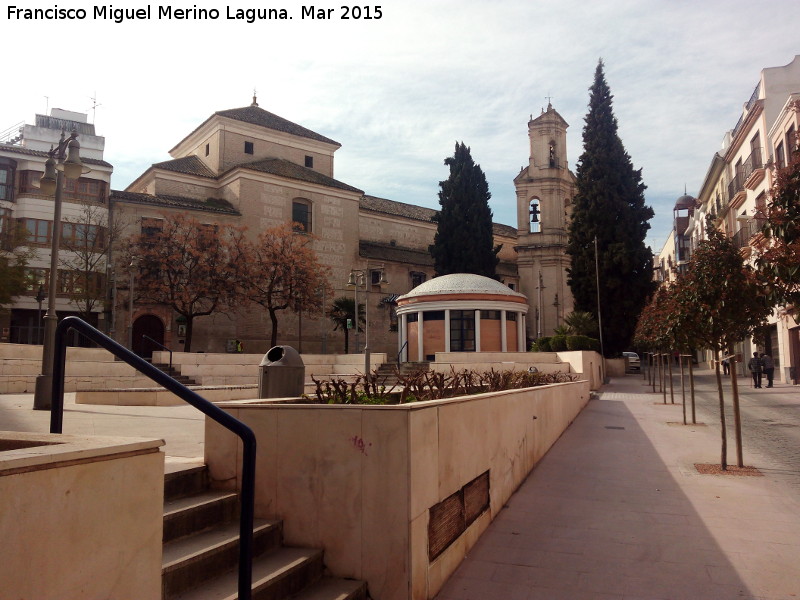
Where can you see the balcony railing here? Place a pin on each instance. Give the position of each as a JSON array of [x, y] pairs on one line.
[[748, 229]]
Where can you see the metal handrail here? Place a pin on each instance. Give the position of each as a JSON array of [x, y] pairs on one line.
[[160, 345], [246, 434], [399, 354]]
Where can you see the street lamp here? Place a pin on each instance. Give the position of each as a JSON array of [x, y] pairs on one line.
[[63, 161], [361, 277], [39, 298]]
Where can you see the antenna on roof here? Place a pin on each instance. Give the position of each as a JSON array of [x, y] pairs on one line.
[[47, 105], [255, 102], [94, 107]]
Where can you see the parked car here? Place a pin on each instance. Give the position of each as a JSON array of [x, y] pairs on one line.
[[632, 360]]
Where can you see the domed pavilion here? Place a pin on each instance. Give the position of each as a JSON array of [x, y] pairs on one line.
[[460, 312]]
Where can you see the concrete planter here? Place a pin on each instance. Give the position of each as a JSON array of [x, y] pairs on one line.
[[369, 483]]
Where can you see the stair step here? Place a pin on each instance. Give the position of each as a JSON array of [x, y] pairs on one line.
[[188, 515], [189, 561], [276, 576], [185, 482], [330, 588]]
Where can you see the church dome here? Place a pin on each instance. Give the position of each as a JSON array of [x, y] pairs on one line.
[[685, 201], [461, 283]]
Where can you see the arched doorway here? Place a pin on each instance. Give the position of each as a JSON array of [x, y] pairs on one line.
[[152, 327]]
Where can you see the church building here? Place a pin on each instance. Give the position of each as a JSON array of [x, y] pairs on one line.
[[247, 166]]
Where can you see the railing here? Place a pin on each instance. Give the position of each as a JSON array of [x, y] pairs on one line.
[[160, 345], [748, 229], [247, 436], [399, 354]]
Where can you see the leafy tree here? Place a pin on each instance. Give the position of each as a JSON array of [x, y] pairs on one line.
[[721, 295], [464, 242], [87, 241], [189, 266], [778, 252], [609, 207], [343, 310], [581, 323], [14, 257], [282, 272]]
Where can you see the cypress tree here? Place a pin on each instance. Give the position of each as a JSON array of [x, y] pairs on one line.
[[609, 206], [464, 242]]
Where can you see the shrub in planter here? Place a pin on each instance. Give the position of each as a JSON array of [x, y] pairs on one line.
[[558, 343], [582, 342], [541, 345]]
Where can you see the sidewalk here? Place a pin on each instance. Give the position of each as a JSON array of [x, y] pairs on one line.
[[181, 427], [616, 510]]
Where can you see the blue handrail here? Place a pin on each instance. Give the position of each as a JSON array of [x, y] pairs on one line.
[[246, 434]]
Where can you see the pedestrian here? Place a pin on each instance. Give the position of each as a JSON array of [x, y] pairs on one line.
[[769, 368], [239, 347], [726, 366], [756, 366]]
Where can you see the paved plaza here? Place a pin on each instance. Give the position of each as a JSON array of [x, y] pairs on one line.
[[616, 509]]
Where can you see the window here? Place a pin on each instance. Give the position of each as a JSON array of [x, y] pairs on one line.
[[34, 278], [512, 287], [412, 317], [7, 167], [433, 315], [417, 278], [248, 147], [552, 158], [780, 156], [462, 330], [490, 315], [151, 227], [511, 316], [38, 231], [310, 162], [375, 276], [82, 234], [208, 149], [791, 142], [534, 212], [84, 190], [301, 216]]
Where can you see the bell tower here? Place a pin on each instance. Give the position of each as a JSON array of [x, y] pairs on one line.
[[545, 189]]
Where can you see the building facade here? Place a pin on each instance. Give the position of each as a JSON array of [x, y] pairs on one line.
[[249, 167], [735, 192], [82, 276]]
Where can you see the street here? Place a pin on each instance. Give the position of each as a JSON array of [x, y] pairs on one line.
[[770, 421]]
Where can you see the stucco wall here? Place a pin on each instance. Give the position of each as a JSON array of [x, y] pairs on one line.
[[359, 481]]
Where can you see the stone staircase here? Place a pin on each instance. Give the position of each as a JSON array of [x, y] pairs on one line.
[[201, 549], [387, 372], [175, 374]]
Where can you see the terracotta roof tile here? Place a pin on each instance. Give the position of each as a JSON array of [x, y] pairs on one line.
[[213, 205], [290, 170], [190, 165], [258, 116], [418, 213]]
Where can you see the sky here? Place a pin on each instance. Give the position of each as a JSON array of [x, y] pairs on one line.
[[399, 91]]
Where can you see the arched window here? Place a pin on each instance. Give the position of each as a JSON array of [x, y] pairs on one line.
[[535, 216], [553, 161], [301, 215]]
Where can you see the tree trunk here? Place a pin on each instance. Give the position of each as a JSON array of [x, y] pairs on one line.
[[691, 389], [187, 345], [663, 377], [737, 415], [723, 432], [653, 371], [683, 389], [273, 319], [671, 388]]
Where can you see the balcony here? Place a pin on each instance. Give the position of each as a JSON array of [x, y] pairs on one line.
[[748, 229], [752, 169]]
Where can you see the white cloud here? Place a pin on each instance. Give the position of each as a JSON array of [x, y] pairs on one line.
[[399, 91]]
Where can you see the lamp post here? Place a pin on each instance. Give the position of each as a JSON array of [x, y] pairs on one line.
[[361, 277], [39, 298], [63, 161]]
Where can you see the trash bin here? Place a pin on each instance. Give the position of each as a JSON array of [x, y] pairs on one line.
[[282, 373]]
